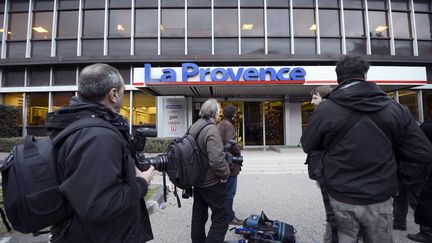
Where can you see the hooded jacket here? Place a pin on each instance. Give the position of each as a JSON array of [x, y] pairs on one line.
[[361, 167], [99, 182]]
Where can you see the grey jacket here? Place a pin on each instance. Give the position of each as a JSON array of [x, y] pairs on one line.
[[210, 143]]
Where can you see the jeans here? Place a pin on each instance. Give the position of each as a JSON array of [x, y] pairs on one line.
[[231, 191], [213, 197]]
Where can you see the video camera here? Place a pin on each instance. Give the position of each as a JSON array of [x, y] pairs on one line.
[[230, 158], [159, 162]]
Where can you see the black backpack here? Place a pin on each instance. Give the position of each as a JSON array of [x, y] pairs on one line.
[[186, 168], [32, 198]]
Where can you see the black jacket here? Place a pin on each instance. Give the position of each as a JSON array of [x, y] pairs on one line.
[[99, 179], [361, 168]]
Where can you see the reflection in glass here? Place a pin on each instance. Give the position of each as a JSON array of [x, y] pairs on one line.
[[274, 124], [19, 5], [252, 46], [64, 76], [402, 25], [238, 118], [400, 4], [61, 99], [199, 3], [92, 47], [424, 26], [15, 100], [173, 46], [146, 23], [403, 47], [13, 77], [380, 47], [354, 24], [68, 4], [16, 49], [199, 23], [42, 25], [353, 4], [67, 24], [253, 113], [37, 108], [146, 47], [427, 104], [226, 46], [225, 3], [377, 4], [146, 3], [330, 46], [279, 45], [277, 3], [125, 108], [251, 3], [356, 46], [41, 48], [252, 22], [409, 99], [329, 23], [119, 23], [1, 26], [278, 22], [329, 4], [200, 46], [172, 3], [144, 109], [172, 23], [93, 23], [422, 4], [119, 47], [120, 3], [304, 22], [303, 3], [94, 3], [66, 48], [225, 21], [17, 26], [424, 48], [304, 45], [43, 5], [39, 77], [378, 24]]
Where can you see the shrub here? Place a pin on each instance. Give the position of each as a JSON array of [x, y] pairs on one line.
[[6, 144], [157, 145], [9, 119]]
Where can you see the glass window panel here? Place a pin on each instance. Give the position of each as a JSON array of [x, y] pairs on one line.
[[2, 5], [253, 113], [125, 108], [16, 100], [64, 76], [67, 24], [92, 47], [66, 48], [16, 49], [1, 26], [279, 45], [424, 26], [43, 5], [17, 26], [93, 23], [146, 3], [225, 3], [39, 76], [125, 73], [354, 24], [173, 23], [226, 46], [329, 4], [330, 46], [400, 4], [420, 5], [202, 46], [119, 47], [119, 23], [303, 3], [120, 3], [277, 3], [251, 3], [61, 99], [68, 4], [94, 3], [377, 4], [225, 21], [403, 47], [41, 48], [427, 104], [42, 25], [199, 23], [13, 77], [304, 22], [173, 46], [305, 45], [409, 99], [252, 22], [37, 108], [199, 3], [353, 4], [144, 109], [356, 46], [329, 23], [172, 3], [274, 122], [252, 46], [146, 23], [425, 48], [278, 22], [402, 25], [19, 5], [146, 47], [380, 47], [378, 24]]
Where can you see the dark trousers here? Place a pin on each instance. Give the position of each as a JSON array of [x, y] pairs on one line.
[[231, 190], [213, 197]]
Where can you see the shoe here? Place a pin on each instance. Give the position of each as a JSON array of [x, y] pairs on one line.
[[236, 221], [399, 227], [419, 237]]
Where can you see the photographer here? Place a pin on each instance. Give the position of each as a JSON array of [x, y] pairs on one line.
[[99, 179], [227, 130]]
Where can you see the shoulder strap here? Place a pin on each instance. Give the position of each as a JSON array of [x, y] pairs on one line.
[[198, 131]]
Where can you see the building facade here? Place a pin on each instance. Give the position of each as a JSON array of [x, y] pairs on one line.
[[236, 43]]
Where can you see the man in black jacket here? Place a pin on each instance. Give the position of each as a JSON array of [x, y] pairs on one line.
[[100, 180], [359, 129]]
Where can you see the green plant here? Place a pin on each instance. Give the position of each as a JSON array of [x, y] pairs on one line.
[[9, 121], [157, 145], [6, 144]]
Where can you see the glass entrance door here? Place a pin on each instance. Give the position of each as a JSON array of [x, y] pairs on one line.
[[253, 120], [238, 119]]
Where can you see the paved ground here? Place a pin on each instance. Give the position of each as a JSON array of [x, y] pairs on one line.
[[274, 182]]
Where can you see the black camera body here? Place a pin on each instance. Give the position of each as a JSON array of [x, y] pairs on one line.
[[230, 158], [159, 162]]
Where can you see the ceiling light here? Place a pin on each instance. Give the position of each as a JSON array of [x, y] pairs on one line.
[[313, 27], [247, 27], [9, 33], [120, 27], [40, 29], [381, 28], [161, 27]]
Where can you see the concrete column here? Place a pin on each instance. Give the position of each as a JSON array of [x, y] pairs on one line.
[[293, 125]]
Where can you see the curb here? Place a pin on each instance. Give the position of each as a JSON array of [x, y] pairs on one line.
[[153, 203]]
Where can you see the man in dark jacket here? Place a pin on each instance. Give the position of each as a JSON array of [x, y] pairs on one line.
[[100, 180], [212, 191], [228, 132], [359, 129]]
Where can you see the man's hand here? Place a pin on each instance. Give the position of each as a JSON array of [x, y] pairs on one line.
[[146, 175]]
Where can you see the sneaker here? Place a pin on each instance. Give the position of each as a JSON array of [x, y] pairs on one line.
[[399, 227], [419, 237], [236, 221]]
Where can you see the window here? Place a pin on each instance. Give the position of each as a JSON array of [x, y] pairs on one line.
[[377, 4], [125, 108], [43, 4], [329, 23], [400, 5], [199, 23], [61, 99], [252, 23], [144, 109], [353, 4], [15, 100], [95, 3], [146, 23], [120, 3], [278, 3], [424, 26], [278, 23], [13, 77], [427, 104], [119, 23], [226, 23], [402, 25], [37, 108], [409, 98], [67, 24], [354, 24], [304, 23], [378, 24], [38, 77], [303, 3], [68, 4], [19, 5], [93, 24], [172, 23], [64, 76], [17, 26]]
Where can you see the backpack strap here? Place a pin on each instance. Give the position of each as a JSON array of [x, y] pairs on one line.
[[197, 132]]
